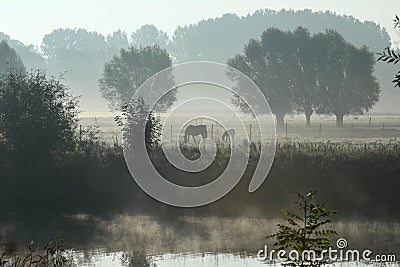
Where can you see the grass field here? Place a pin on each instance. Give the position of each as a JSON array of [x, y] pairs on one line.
[[361, 129]]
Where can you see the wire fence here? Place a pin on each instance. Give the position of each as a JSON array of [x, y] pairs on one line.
[[290, 131]]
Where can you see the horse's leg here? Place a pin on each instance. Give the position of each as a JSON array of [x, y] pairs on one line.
[[193, 138]]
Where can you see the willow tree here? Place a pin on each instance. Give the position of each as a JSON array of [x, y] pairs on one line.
[[305, 73], [270, 63], [346, 83]]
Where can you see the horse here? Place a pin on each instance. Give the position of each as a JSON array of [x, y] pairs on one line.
[[228, 134], [195, 131]]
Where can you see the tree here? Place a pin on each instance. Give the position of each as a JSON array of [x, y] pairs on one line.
[[125, 73], [116, 41], [149, 35], [305, 73], [270, 62], [61, 40], [192, 42], [345, 77], [38, 116], [391, 56], [9, 60], [134, 114], [79, 55], [305, 231], [29, 54]]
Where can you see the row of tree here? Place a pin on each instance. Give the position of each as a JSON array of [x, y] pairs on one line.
[[80, 54], [297, 72], [308, 73]]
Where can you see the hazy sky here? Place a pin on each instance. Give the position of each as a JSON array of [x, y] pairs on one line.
[[28, 21]]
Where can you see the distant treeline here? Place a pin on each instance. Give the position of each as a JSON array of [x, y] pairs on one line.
[[81, 54]]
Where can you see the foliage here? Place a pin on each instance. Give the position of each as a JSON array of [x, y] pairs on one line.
[[9, 60], [391, 56], [116, 41], [346, 81], [53, 255], [125, 73], [305, 231], [323, 73], [134, 115], [305, 73], [269, 63], [61, 40], [38, 116], [149, 35], [192, 42], [29, 54]]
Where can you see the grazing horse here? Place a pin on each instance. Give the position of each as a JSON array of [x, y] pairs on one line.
[[228, 134], [195, 131]]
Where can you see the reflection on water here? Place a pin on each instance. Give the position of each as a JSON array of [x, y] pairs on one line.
[[218, 234], [199, 260], [147, 241]]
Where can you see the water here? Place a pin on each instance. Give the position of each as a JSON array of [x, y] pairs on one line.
[[199, 260]]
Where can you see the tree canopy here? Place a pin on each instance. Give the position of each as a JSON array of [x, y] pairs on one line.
[[322, 73], [125, 73], [268, 62], [345, 77], [9, 60], [149, 35], [80, 54], [230, 31], [37, 116]]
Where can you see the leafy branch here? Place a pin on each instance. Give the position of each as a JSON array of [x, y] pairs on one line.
[[390, 56], [396, 22]]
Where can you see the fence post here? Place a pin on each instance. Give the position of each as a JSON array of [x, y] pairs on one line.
[[80, 132], [286, 131], [250, 133], [212, 131], [320, 130], [369, 124], [352, 130]]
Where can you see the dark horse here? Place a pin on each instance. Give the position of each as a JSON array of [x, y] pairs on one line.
[[195, 131]]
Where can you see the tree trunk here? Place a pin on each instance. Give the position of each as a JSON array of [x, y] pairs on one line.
[[308, 119], [339, 121], [308, 111], [280, 122]]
